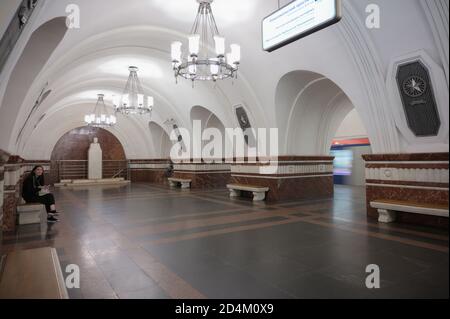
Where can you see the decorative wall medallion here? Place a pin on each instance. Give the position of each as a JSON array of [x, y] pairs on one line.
[[242, 117], [244, 123], [418, 99], [179, 136], [388, 173], [414, 86]]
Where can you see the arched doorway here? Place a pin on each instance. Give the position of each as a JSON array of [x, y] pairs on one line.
[[310, 108], [350, 143], [321, 119]]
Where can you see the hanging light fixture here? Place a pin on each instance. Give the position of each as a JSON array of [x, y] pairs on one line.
[[199, 63], [101, 117], [133, 100]]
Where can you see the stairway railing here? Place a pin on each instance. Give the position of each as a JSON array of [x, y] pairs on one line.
[[78, 169]]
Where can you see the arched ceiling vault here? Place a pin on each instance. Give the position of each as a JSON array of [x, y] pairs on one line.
[[95, 57], [73, 80]]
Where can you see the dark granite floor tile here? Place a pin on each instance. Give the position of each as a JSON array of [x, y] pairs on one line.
[[129, 280], [319, 286], [275, 269], [149, 293], [229, 283], [208, 228], [301, 259]]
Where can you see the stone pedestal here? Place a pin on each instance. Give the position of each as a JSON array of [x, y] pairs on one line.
[[95, 160]]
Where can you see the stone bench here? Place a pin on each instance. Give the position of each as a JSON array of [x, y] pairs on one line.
[[387, 209], [30, 213], [185, 183], [32, 274], [259, 193]]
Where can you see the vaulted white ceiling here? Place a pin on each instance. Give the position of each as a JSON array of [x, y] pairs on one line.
[[351, 60]]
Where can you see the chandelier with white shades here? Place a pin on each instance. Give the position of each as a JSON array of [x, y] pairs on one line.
[[101, 117], [200, 63], [133, 100]]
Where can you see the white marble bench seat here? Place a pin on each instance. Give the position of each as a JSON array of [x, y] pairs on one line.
[[259, 193], [185, 183], [387, 209], [30, 213]]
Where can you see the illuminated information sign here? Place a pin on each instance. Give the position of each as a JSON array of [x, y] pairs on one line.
[[297, 20]]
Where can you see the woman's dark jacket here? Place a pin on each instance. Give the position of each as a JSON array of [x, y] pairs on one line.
[[30, 187]]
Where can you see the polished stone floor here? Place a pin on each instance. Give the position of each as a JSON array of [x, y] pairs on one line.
[[148, 241]]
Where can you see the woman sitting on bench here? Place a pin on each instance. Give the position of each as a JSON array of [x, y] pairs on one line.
[[34, 190]]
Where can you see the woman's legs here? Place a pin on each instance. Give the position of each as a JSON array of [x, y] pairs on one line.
[[49, 202]]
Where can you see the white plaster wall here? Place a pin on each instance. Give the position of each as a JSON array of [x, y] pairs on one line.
[[351, 127]]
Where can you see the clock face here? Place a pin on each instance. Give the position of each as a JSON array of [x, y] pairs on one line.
[[414, 86], [242, 117]]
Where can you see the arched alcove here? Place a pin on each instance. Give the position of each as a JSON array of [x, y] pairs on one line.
[[70, 154], [310, 108], [160, 141], [37, 52], [208, 121], [74, 145]]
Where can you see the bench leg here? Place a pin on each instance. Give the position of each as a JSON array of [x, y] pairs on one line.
[[386, 216], [173, 184], [234, 193], [185, 185], [259, 196]]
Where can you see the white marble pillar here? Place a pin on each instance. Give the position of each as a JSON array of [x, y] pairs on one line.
[[95, 161]]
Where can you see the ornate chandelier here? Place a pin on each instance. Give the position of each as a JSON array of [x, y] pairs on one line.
[[133, 100], [101, 117], [199, 63]]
